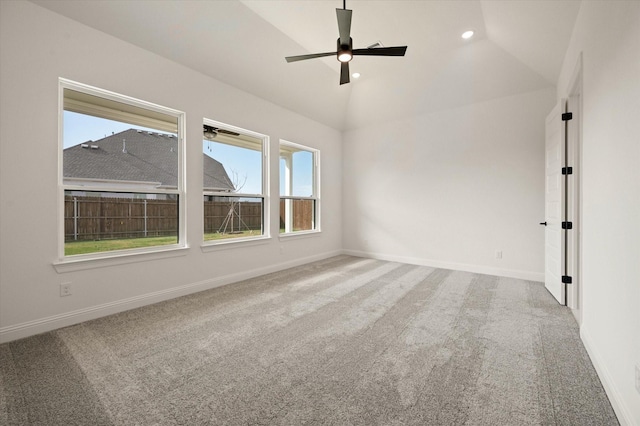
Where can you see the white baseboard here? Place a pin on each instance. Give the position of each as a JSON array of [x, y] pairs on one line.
[[622, 411], [510, 273], [42, 325]]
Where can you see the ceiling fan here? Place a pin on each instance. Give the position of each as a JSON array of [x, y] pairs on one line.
[[210, 132], [345, 51]]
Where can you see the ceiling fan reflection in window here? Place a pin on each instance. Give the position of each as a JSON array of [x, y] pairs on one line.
[[210, 132], [345, 51]]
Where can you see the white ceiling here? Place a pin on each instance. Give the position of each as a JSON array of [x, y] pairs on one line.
[[518, 47]]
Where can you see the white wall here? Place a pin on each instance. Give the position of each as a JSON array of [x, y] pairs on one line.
[[608, 36], [450, 188], [36, 48]]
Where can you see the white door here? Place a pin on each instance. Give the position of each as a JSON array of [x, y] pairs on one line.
[[554, 198]]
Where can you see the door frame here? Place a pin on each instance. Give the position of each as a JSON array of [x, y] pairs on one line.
[[574, 200]]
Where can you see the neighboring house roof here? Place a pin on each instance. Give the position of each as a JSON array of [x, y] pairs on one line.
[[142, 157]]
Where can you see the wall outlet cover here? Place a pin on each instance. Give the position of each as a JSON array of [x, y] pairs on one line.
[[65, 289]]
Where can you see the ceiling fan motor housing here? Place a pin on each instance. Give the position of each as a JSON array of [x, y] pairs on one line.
[[345, 51]]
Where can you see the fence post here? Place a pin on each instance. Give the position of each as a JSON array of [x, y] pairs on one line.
[[75, 218], [145, 218]]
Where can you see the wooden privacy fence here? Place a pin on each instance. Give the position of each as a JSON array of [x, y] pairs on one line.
[[227, 217], [303, 214], [104, 218]]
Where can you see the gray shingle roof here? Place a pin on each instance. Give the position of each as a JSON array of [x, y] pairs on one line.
[[149, 157]]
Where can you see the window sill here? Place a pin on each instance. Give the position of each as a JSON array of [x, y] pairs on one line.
[[299, 234], [92, 261], [233, 243]]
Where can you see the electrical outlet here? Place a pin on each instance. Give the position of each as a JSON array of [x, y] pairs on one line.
[[65, 289], [498, 254], [638, 378]]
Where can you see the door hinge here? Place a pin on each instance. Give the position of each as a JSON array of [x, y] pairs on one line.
[[567, 170], [567, 225], [566, 279], [567, 116]]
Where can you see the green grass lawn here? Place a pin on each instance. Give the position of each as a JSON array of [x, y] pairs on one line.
[[84, 247]]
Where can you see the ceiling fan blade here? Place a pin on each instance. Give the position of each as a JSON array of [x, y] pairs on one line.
[[381, 51], [310, 56], [344, 72], [344, 25], [228, 132]]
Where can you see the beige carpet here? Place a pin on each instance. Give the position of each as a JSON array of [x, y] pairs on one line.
[[342, 341]]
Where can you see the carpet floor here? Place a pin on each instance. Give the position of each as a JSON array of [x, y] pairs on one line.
[[343, 341]]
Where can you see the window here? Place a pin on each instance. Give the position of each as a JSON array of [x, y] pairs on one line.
[[121, 174], [299, 188], [235, 177]]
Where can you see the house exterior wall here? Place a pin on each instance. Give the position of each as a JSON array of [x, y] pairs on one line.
[[607, 36], [36, 48]]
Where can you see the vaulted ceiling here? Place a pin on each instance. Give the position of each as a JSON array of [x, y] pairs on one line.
[[518, 46]]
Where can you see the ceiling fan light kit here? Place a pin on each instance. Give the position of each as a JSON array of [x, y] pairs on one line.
[[210, 133], [345, 51]]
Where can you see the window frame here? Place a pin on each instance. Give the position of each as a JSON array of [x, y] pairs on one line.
[[180, 190], [265, 195], [315, 189]]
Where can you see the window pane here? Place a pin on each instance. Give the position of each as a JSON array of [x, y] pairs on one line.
[[233, 163], [302, 214], [298, 191], [105, 221], [301, 174], [232, 217], [121, 172], [98, 150]]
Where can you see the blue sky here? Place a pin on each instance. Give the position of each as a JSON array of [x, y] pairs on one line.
[[79, 128], [240, 164]]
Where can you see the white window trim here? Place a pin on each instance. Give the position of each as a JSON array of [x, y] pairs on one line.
[[266, 227], [315, 187], [117, 257], [98, 259]]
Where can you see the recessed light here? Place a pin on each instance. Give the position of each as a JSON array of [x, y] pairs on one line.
[[467, 34], [355, 75]]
